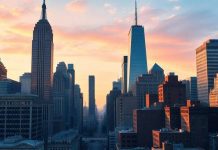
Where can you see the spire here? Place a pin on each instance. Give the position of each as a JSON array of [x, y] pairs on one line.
[[44, 16], [136, 13]]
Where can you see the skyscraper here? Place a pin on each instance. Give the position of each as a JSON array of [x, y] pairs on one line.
[[124, 74], [42, 58], [72, 101], [91, 95], [62, 96], [137, 63], [207, 67]]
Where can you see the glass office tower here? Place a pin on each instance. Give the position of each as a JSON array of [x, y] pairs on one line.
[[207, 67], [137, 64]]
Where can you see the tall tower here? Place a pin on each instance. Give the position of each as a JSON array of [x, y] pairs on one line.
[[137, 63], [91, 95], [42, 58], [124, 74], [207, 67]]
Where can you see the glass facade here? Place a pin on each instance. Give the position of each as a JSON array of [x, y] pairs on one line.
[[207, 67], [137, 64]]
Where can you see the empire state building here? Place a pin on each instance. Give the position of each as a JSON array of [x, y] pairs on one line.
[[42, 58]]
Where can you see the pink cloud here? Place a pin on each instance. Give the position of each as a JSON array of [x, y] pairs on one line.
[[78, 6]]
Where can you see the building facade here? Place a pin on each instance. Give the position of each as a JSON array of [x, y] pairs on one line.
[[78, 101], [148, 84], [25, 81], [111, 108], [92, 96], [213, 96], [137, 63], [207, 67], [124, 74], [62, 97], [125, 105], [20, 115], [8, 86], [42, 58], [172, 92]]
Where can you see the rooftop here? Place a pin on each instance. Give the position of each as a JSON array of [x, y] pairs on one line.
[[15, 141]]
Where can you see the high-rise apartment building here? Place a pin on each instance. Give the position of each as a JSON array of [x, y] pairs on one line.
[[124, 74], [42, 58], [207, 67], [137, 63]]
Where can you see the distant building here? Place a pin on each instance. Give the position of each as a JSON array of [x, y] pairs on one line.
[[117, 84], [144, 121], [20, 115], [111, 108], [72, 115], [25, 81], [194, 120], [92, 96], [137, 63], [213, 96], [172, 118], [62, 97], [172, 92], [124, 74], [172, 136], [8, 86], [19, 143], [124, 109], [148, 84], [3, 71], [207, 67], [78, 102], [191, 88], [65, 140]]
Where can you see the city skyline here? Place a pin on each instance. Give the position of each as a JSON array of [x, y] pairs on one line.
[[99, 47]]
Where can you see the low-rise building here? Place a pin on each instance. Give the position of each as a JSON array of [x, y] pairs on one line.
[[19, 143], [65, 140], [172, 136]]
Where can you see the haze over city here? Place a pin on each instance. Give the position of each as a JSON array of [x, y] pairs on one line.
[[93, 35]]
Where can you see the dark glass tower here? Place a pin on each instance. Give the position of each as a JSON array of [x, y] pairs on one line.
[[91, 95], [42, 58], [137, 63]]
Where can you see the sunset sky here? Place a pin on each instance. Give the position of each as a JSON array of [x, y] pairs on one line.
[[93, 35]]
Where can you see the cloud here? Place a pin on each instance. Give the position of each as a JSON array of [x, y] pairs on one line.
[[78, 6], [110, 8]]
